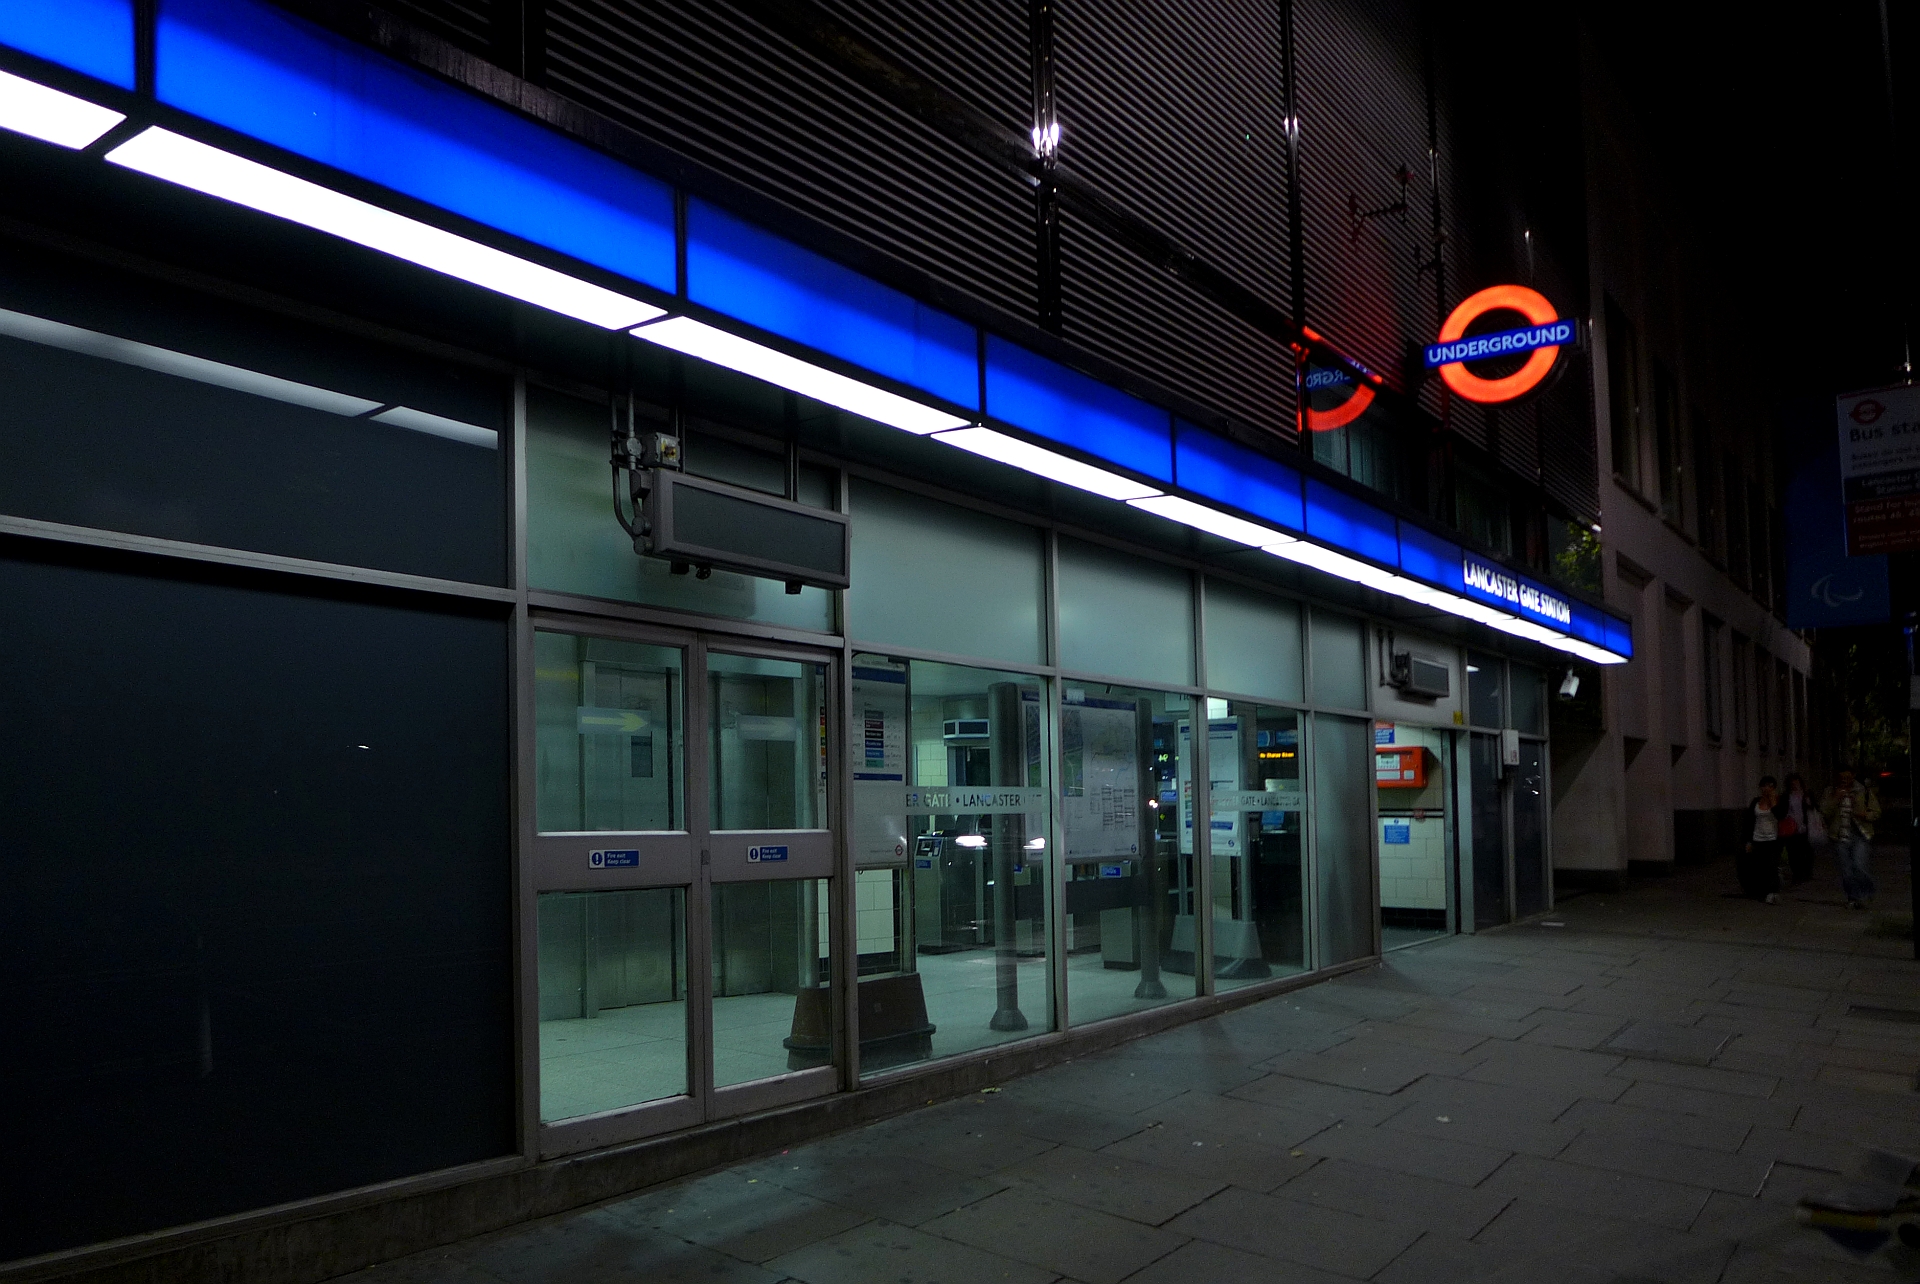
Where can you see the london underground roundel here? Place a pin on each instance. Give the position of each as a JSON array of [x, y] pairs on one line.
[[1541, 339]]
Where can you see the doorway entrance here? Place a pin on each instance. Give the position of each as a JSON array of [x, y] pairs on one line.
[[1415, 842], [682, 879]]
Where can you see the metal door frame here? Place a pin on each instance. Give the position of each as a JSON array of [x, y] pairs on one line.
[[556, 861]]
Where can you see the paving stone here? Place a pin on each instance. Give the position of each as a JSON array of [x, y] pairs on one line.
[[882, 1254], [1803, 1149], [1442, 1259], [1444, 1093], [1200, 1262], [1726, 1082], [898, 1190], [1119, 1087], [1479, 1126], [1459, 1162], [1269, 1125], [1089, 1245], [1655, 1041], [1579, 1030], [590, 1250], [1533, 1065], [1549, 1241], [1603, 1118], [1689, 1165], [1056, 1121], [1372, 1064], [1113, 1184], [1350, 1104], [1598, 1192], [1714, 1105], [1324, 1238], [1209, 1155], [1420, 1036], [739, 1215], [1440, 1207]]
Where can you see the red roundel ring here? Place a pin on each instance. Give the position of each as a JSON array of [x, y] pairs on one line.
[[1516, 298], [1344, 413]]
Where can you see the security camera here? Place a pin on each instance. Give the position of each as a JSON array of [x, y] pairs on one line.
[[1570, 685]]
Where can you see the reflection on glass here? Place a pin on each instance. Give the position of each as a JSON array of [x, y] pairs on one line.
[[1125, 757], [1259, 806], [1489, 834], [950, 799], [1483, 691], [769, 741], [1413, 793], [607, 746], [772, 1008], [613, 990]]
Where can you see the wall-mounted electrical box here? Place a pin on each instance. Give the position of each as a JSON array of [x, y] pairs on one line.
[[1417, 677], [1400, 766]]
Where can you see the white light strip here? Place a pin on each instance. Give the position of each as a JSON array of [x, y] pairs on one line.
[[33, 109], [1045, 463], [1210, 520], [439, 426], [709, 343], [190, 163]]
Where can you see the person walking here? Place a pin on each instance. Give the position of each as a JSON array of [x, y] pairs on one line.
[[1849, 809], [1759, 865], [1796, 829]]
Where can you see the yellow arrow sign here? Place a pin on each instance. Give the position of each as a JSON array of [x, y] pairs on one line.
[[612, 722]]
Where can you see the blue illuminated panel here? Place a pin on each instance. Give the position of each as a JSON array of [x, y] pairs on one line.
[[1051, 401], [1427, 557], [264, 73], [1222, 470], [1351, 524], [1588, 625], [94, 37], [744, 272], [1619, 635]]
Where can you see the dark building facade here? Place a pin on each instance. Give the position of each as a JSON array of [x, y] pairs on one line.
[[594, 586]]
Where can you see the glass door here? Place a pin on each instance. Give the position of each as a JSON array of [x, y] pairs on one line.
[[612, 868], [768, 870], [680, 872]]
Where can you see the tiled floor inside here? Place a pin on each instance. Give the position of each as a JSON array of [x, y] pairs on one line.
[[1636, 1088]]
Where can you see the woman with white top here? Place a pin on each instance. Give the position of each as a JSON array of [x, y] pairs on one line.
[[1759, 865]]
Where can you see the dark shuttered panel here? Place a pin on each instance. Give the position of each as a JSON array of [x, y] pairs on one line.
[[708, 81], [1144, 319], [1363, 119], [467, 23], [1174, 114], [977, 50]]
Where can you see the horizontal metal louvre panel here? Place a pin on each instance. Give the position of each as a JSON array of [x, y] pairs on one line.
[[1516, 439], [1363, 116], [1140, 317], [470, 26], [708, 81], [977, 50], [1569, 463], [1175, 113]]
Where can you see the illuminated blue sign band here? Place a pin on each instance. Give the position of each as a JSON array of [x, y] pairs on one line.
[[1496, 584], [1554, 334]]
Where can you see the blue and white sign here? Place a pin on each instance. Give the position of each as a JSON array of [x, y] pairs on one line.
[[1396, 834], [1496, 584], [1478, 347], [766, 855], [627, 858], [1111, 871]]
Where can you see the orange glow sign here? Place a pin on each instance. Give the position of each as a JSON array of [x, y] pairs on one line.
[[1544, 336]]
